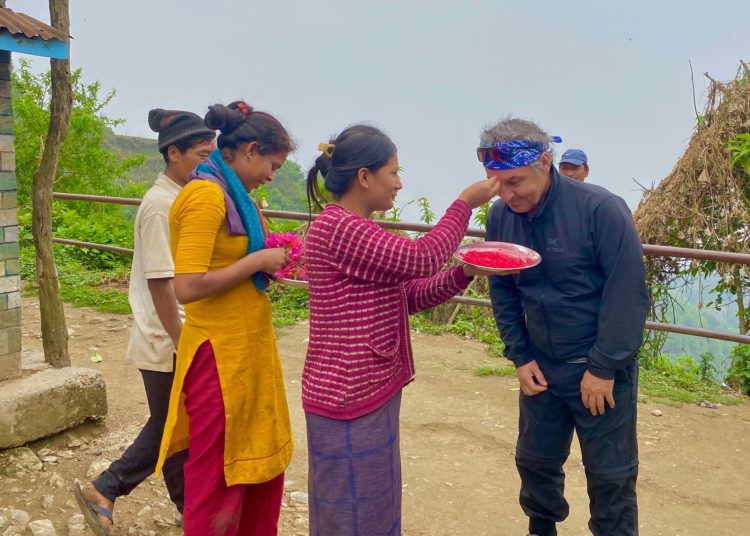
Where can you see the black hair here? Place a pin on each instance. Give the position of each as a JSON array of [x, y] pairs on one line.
[[357, 147], [239, 123], [186, 143]]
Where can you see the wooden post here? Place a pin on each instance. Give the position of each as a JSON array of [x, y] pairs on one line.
[[458, 305], [54, 329]]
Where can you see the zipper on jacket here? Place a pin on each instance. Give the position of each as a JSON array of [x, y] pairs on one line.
[[544, 291]]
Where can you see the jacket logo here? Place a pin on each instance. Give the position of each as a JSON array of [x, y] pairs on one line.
[[553, 246]]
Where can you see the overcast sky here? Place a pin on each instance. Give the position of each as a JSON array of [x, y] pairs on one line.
[[614, 81]]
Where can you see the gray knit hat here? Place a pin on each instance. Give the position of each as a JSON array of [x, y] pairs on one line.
[[174, 125]]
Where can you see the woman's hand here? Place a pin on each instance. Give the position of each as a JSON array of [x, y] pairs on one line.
[[271, 260], [480, 192], [196, 286]]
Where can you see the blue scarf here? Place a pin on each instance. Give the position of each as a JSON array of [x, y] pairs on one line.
[[238, 202]]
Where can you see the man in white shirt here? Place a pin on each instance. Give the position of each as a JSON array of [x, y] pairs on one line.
[[184, 141]]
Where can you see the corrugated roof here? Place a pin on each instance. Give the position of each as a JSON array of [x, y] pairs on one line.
[[22, 24]]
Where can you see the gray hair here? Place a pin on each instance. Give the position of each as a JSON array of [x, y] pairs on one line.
[[512, 128]]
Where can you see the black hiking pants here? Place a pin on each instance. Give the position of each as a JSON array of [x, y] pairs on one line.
[[138, 462], [608, 446]]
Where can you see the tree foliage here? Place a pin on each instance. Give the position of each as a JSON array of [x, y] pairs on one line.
[[85, 165], [287, 191]]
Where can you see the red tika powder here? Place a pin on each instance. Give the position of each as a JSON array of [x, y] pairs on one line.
[[493, 259]]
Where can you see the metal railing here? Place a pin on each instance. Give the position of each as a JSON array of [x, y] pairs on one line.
[[648, 250]]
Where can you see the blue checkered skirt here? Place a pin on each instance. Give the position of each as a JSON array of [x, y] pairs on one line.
[[354, 481]]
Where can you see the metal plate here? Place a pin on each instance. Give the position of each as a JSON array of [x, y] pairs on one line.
[[529, 256], [296, 283]]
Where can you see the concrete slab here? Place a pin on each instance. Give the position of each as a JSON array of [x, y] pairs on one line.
[[49, 401]]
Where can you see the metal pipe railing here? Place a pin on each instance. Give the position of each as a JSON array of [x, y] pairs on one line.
[[648, 250], [92, 245], [97, 198]]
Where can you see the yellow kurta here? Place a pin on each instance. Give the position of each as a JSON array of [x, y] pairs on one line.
[[258, 439]]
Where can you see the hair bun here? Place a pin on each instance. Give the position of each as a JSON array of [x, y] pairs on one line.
[[323, 163], [224, 118]]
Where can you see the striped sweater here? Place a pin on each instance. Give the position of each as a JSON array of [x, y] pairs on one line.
[[364, 282]]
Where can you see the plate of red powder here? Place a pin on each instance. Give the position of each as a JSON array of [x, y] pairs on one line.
[[497, 257]]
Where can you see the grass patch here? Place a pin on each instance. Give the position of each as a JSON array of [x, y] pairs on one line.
[[106, 301], [80, 286], [671, 383], [475, 324], [290, 305], [495, 371], [84, 288]]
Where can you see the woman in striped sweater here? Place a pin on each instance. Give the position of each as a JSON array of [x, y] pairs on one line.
[[364, 282]]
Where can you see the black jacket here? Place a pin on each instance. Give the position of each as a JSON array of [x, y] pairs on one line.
[[588, 298]]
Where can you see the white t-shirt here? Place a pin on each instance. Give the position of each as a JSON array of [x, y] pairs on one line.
[[150, 347]]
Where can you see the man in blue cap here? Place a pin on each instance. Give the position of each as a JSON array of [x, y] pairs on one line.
[[574, 164], [572, 326]]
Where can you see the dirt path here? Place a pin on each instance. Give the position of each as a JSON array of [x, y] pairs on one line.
[[458, 436]]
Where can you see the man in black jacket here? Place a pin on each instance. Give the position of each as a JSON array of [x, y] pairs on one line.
[[572, 326]]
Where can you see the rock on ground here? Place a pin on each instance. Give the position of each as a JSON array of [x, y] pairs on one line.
[[19, 518], [97, 467], [19, 462], [42, 527], [76, 525]]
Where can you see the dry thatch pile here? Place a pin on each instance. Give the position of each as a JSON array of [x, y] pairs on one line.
[[704, 203]]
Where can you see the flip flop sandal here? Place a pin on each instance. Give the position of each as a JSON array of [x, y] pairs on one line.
[[91, 512]]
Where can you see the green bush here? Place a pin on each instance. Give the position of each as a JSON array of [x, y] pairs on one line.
[[706, 368], [102, 227], [739, 373], [290, 305]]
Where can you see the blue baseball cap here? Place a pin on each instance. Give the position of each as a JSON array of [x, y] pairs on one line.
[[575, 157]]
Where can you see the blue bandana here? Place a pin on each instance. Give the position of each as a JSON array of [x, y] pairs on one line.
[[514, 153]]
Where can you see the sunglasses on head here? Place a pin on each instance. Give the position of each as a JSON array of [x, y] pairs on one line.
[[504, 154]]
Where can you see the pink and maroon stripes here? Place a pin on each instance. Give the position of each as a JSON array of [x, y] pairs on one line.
[[364, 282]]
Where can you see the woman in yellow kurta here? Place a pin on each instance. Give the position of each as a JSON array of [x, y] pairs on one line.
[[228, 405]]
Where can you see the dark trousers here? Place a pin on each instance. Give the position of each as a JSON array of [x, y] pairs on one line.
[[138, 462], [608, 446]]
